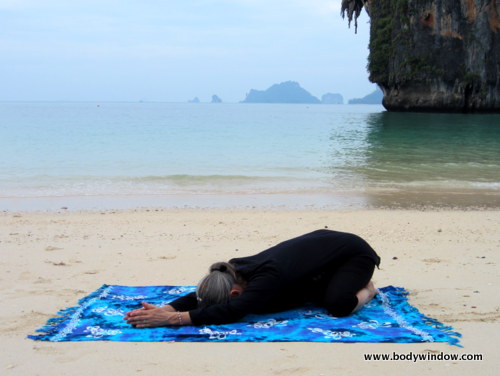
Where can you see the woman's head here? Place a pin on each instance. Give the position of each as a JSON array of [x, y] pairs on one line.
[[218, 285]]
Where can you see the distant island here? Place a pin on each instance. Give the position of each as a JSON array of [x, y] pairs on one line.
[[331, 98], [372, 98], [216, 99], [285, 92], [292, 92]]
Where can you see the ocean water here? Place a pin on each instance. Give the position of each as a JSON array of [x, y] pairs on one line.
[[245, 154]]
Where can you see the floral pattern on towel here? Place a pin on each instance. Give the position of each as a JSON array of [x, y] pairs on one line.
[[387, 318]]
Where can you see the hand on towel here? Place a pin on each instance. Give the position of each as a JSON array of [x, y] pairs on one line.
[[150, 316], [146, 306]]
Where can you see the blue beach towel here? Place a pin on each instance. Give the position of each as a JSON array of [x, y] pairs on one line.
[[387, 318]]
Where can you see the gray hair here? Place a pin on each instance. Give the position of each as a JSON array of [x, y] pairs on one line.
[[215, 287]]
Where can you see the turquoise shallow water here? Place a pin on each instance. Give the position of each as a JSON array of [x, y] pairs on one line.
[[147, 149]]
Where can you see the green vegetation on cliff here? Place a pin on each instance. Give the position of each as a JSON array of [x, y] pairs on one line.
[[434, 55]]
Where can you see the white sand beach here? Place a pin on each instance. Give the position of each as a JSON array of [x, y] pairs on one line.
[[446, 259]]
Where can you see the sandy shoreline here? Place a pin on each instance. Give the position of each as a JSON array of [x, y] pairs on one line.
[[419, 199], [446, 259]]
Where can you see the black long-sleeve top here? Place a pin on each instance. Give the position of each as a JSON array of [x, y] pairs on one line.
[[277, 278]]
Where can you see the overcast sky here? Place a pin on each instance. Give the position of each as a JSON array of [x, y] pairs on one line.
[[174, 50]]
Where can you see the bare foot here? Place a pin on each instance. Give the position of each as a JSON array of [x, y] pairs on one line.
[[365, 295], [372, 289]]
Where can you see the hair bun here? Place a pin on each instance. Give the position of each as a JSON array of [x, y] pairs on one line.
[[223, 267], [219, 268]]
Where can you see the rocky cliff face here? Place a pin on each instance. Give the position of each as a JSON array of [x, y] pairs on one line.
[[436, 55]]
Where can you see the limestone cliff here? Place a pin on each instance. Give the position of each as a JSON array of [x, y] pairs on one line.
[[435, 55]]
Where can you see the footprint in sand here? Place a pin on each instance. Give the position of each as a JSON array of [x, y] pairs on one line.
[[60, 263], [432, 260], [40, 280], [51, 248]]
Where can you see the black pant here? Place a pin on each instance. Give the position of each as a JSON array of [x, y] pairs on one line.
[[338, 287]]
